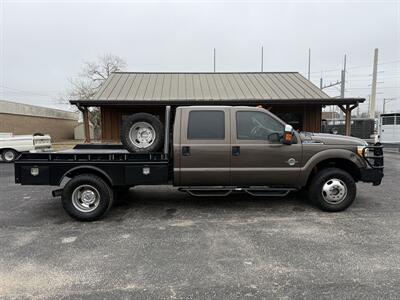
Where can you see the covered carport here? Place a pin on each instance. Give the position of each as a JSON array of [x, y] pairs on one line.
[[288, 94]]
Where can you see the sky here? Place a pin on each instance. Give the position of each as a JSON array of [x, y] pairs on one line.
[[44, 43]]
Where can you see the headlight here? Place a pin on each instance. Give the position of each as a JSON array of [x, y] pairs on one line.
[[360, 150]]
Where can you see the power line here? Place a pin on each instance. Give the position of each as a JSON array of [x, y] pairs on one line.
[[356, 67], [379, 64], [26, 94], [14, 90], [380, 87]]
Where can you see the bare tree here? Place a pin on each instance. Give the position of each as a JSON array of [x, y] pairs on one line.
[[89, 81]]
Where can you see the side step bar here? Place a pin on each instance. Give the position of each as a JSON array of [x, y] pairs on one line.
[[269, 192], [225, 191], [206, 192]]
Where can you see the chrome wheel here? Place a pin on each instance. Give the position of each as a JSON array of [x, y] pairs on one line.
[[9, 155], [85, 198], [142, 135], [334, 191]]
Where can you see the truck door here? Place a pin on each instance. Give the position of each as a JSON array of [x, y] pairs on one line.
[[258, 156], [205, 146]]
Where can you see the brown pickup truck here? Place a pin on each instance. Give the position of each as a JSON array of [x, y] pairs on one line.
[[215, 150]]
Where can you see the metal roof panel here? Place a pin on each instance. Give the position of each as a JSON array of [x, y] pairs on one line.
[[146, 86]]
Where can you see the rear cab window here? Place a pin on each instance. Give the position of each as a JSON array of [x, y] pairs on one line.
[[206, 125]]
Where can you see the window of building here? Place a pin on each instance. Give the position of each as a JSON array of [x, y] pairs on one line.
[[206, 125]]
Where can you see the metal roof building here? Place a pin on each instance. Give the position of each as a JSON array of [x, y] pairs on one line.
[[158, 88], [288, 94]]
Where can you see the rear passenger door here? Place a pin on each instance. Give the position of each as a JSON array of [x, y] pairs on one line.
[[205, 146]]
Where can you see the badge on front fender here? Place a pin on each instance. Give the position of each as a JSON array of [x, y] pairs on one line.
[[291, 161]]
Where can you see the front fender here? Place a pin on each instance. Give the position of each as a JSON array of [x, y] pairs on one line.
[[346, 154]]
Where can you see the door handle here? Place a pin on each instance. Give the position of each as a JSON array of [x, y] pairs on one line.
[[235, 150], [185, 150]]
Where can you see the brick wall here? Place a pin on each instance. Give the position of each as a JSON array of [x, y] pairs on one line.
[[59, 129]]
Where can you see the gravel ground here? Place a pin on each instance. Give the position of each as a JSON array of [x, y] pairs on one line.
[[160, 243]]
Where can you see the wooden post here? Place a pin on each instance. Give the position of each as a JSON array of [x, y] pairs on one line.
[[348, 120], [347, 110], [86, 124]]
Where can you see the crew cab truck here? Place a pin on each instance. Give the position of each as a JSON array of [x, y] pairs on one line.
[[210, 151]]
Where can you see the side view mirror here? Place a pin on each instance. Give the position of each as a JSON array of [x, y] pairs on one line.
[[288, 135]]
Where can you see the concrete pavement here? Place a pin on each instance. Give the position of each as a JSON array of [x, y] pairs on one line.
[[160, 243]]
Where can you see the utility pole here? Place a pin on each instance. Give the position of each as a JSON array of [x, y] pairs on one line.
[[215, 57], [369, 100], [309, 63], [343, 79], [342, 83], [372, 101], [262, 58]]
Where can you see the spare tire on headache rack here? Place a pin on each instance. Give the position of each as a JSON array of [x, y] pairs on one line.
[[142, 132]]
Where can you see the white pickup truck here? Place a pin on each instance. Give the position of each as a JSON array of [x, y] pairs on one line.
[[12, 145]]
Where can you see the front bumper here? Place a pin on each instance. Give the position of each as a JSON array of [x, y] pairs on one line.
[[372, 175], [374, 172]]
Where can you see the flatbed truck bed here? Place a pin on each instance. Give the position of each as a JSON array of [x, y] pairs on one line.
[[111, 162]]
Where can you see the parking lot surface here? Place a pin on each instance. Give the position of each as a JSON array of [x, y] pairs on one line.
[[160, 243]]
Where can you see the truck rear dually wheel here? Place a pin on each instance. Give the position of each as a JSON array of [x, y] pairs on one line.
[[87, 197], [142, 132], [332, 189]]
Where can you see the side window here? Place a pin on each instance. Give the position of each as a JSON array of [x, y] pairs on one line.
[[388, 120], [206, 125], [255, 125]]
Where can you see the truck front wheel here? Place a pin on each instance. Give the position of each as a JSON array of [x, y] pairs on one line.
[[332, 189], [87, 197]]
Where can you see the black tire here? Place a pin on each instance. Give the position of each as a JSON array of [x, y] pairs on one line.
[[9, 155], [337, 181], [105, 196], [130, 121], [38, 134]]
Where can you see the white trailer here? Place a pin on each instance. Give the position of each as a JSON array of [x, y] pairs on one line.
[[389, 128]]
